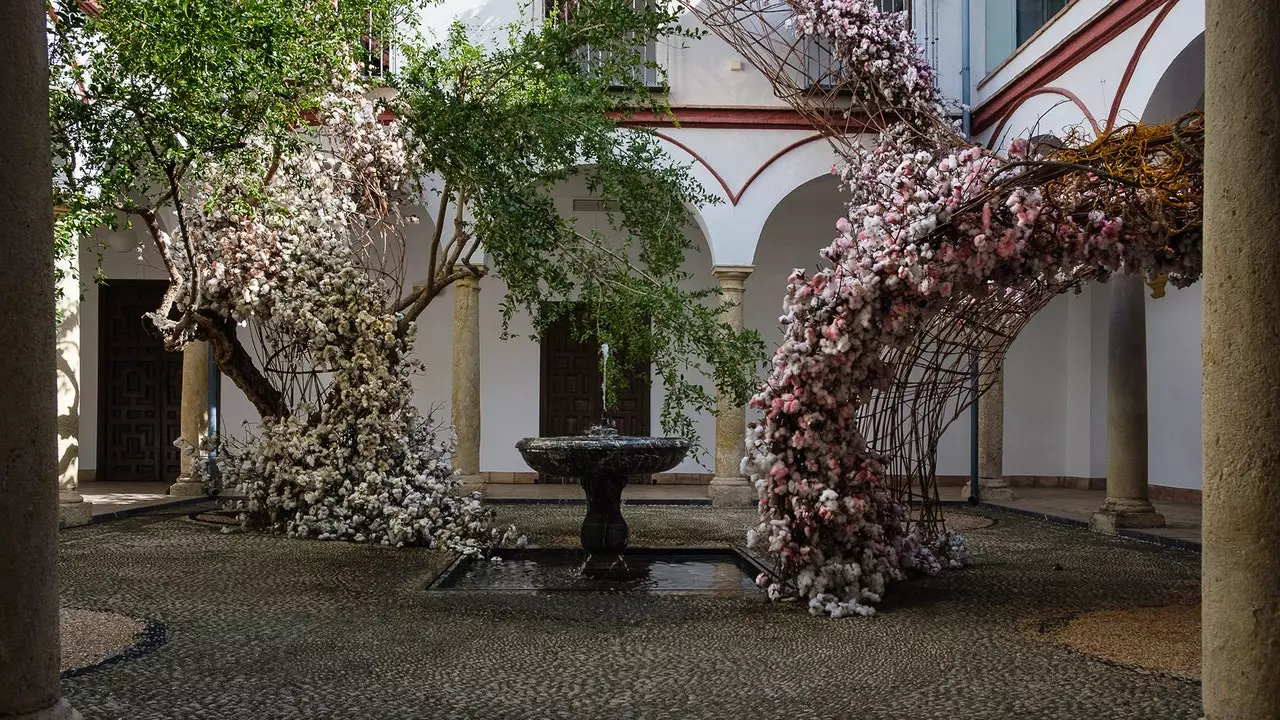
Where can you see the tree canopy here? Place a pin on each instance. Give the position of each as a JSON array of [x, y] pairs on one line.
[[152, 98]]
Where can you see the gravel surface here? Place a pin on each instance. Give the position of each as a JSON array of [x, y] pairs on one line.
[[91, 636], [1157, 638], [266, 627]]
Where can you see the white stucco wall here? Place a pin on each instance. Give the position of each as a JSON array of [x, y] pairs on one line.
[[1174, 388]]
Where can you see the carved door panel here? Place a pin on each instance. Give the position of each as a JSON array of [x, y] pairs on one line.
[[140, 388], [571, 394]]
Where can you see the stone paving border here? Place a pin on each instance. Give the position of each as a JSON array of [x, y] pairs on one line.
[[1122, 532], [151, 637], [143, 509]]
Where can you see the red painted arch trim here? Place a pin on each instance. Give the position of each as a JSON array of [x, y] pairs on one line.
[[724, 118], [1133, 61], [729, 193], [995, 136], [776, 156], [1101, 29]]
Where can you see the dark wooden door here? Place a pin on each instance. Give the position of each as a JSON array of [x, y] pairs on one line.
[[572, 399], [140, 388]]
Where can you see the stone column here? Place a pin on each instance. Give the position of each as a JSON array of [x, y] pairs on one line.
[[728, 486], [465, 399], [1240, 565], [195, 415], [29, 643], [72, 509], [991, 482], [1127, 505]]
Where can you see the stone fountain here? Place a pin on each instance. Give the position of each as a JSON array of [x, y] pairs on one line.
[[603, 461]]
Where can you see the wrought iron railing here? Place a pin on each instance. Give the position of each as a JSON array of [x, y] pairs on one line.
[[593, 59], [376, 58], [821, 68]]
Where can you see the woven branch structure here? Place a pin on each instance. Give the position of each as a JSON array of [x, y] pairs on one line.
[[947, 252]]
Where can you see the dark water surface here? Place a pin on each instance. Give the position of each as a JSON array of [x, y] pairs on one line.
[[640, 570]]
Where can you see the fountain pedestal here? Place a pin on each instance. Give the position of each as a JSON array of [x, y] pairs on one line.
[[604, 530]]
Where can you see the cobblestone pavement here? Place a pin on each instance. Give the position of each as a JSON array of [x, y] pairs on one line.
[[265, 627]]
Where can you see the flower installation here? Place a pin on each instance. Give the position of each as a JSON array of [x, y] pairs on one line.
[[353, 459], [933, 223]]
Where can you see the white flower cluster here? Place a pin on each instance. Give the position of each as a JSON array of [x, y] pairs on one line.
[[360, 463]]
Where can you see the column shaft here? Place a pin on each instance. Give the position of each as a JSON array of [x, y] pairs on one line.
[[991, 482], [1127, 505], [29, 644], [195, 414], [72, 509], [1240, 350], [728, 486], [465, 398]]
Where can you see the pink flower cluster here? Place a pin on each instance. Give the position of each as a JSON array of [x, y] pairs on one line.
[[916, 235], [878, 51]]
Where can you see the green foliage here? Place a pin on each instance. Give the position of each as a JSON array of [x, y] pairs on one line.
[[146, 88], [148, 91], [504, 125]]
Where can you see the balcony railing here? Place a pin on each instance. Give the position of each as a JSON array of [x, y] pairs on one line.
[[821, 69], [593, 59], [375, 56]]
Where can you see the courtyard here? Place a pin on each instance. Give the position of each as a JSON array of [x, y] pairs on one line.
[[258, 626], [616, 359]]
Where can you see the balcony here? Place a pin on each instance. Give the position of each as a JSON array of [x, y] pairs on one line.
[[819, 69], [374, 56], [593, 59]]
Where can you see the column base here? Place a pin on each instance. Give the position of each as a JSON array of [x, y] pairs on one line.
[[466, 484], [74, 514], [60, 710], [1108, 520], [187, 488], [732, 492], [989, 490]]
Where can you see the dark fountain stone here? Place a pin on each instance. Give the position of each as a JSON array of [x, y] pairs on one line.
[[603, 461]]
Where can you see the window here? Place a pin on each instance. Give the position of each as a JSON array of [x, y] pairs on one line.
[[375, 52], [562, 11], [1010, 23], [1033, 14], [821, 70]]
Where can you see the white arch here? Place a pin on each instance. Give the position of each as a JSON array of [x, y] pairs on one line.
[[735, 228], [1181, 27]]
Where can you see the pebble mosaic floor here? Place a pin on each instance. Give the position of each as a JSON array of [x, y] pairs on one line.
[[265, 627]]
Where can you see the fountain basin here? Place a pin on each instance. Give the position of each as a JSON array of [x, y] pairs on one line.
[[715, 571], [603, 461], [602, 454]]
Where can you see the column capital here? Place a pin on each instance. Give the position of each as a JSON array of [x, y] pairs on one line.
[[471, 281], [732, 276]]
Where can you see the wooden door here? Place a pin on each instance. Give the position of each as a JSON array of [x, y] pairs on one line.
[[139, 388], [572, 399]]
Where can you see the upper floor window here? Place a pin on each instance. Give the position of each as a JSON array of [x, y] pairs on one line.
[[1011, 23], [375, 50], [1033, 14], [822, 71], [592, 59]]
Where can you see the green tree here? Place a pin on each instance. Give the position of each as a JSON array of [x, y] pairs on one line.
[[146, 94], [142, 92], [503, 125]]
